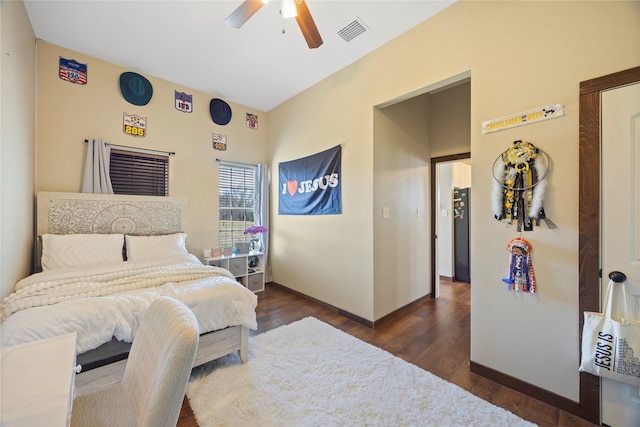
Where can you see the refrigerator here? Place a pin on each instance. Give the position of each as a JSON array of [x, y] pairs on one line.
[[461, 199]]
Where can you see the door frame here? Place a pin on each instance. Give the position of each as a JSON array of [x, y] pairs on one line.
[[589, 217], [434, 232]]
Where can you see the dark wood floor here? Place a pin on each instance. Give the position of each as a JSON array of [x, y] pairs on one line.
[[433, 335]]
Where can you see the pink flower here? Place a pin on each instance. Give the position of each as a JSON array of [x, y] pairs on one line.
[[255, 229]]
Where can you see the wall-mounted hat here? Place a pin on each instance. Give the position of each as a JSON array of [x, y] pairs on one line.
[[135, 89], [220, 111]]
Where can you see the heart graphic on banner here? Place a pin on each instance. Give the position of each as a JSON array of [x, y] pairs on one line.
[[292, 186]]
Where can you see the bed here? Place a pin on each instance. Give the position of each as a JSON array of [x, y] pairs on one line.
[[101, 260]]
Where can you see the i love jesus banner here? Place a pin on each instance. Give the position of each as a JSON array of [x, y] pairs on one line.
[[311, 185]]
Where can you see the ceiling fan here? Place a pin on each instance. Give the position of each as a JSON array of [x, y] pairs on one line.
[[303, 17]]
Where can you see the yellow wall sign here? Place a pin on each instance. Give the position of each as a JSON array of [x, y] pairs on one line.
[[134, 125], [525, 118], [220, 142]]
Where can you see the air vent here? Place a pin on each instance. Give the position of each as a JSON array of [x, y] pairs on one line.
[[353, 30]]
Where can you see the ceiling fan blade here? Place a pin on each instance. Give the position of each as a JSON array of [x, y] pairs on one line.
[[242, 14], [307, 25]]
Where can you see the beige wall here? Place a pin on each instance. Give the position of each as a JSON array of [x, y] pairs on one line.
[[521, 55], [449, 120], [17, 143], [69, 113], [401, 168]]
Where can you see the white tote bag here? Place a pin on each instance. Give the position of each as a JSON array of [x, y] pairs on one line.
[[611, 348]]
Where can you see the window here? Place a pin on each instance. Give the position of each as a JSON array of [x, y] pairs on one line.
[[236, 195], [139, 173]]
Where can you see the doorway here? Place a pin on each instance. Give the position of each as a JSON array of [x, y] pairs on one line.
[[589, 217], [450, 196]]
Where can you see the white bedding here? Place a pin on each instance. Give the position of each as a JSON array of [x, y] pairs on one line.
[[107, 301]]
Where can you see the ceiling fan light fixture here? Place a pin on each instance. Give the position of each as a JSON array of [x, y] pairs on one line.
[[303, 18], [289, 9]]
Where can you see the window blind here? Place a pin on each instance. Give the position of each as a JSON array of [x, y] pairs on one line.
[[236, 196], [139, 173]]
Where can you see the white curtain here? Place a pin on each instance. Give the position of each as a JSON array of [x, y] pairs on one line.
[[261, 212], [96, 168]]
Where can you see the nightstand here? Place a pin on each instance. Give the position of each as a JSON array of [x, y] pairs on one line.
[[247, 268]]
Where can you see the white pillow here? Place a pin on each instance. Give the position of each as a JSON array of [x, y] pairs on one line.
[[147, 247], [80, 250]]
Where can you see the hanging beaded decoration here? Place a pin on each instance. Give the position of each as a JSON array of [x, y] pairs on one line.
[[519, 185], [521, 276]]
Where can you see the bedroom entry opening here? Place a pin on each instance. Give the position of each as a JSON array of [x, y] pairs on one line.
[[451, 209]]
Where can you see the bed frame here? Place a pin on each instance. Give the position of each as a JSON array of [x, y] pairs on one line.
[[87, 213]]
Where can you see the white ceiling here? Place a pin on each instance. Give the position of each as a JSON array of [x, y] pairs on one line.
[[188, 43]]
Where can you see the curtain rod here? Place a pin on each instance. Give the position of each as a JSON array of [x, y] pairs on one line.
[[139, 150], [238, 164]]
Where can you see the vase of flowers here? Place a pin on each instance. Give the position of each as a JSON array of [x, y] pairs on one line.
[[255, 244]]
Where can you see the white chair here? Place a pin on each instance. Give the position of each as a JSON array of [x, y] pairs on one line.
[[156, 376]]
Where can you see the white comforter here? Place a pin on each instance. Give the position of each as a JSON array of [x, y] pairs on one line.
[[107, 301]]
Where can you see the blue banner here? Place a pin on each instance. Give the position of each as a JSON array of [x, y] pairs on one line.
[[311, 185]]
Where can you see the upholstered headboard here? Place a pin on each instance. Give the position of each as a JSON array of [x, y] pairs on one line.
[[88, 213]]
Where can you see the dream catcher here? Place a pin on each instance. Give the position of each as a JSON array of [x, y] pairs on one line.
[[520, 182], [521, 275]]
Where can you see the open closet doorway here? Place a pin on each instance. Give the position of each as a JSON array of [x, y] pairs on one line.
[[450, 204]]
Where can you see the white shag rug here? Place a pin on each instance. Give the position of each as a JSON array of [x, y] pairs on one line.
[[309, 373]]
